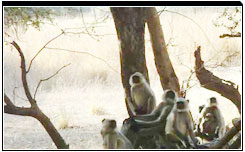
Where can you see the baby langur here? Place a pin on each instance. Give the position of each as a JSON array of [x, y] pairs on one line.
[[211, 117], [179, 126], [142, 96], [112, 138]]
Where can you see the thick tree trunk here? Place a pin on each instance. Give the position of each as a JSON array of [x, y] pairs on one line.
[[130, 27], [168, 78], [212, 82]]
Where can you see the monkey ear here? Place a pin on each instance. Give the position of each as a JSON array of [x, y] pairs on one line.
[[103, 120], [188, 100]]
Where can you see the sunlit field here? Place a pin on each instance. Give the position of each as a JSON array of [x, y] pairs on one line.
[[90, 88]]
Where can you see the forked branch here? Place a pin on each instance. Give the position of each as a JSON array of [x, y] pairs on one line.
[[23, 74], [209, 81], [49, 78]]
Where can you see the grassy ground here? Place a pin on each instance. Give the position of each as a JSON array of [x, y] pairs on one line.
[[87, 91]]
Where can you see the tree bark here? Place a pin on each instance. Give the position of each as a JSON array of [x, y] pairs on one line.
[[130, 27], [168, 78], [212, 82], [237, 143], [49, 127]]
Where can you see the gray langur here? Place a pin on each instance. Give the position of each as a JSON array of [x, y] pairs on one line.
[[142, 97], [179, 126], [112, 138], [212, 122], [151, 125]]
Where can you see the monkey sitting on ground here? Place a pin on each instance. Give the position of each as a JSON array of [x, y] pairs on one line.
[[112, 138], [211, 123], [142, 97], [151, 125], [179, 127]]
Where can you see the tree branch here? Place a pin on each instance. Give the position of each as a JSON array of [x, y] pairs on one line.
[[230, 35], [23, 74], [49, 78], [228, 136], [212, 82], [72, 51], [10, 108], [168, 77], [42, 49]]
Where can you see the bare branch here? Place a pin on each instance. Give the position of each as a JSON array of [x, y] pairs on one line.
[[230, 35], [86, 26], [209, 81], [10, 108], [42, 49], [49, 78], [72, 51], [23, 74]]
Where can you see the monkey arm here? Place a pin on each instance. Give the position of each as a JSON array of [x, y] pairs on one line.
[[153, 115], [159, 121], [131, 107], [190, 127], [221, 123]]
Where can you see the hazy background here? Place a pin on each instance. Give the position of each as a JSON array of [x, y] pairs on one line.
[[90, 89]]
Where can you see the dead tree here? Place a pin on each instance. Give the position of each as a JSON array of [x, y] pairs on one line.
[[209, 81], [32, 111], [130, 27], [168, 78]]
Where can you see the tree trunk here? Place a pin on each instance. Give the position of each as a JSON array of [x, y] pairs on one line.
[[51, 130], [130, 27], [212, 82], [168, 78]]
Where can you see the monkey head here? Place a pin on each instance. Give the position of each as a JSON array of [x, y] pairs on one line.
[[169, 96], [212, 101], [136, 78], [208, 116], [108, 125], [182, 105]]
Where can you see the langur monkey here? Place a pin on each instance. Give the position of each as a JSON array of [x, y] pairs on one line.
[[179, 126], [212, 118], [112, 138], [142, 97], [153, 124], [169, 98]]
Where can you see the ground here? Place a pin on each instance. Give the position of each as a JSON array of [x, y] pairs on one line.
[[90, 89]]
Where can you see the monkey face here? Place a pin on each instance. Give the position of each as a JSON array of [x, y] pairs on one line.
[[181, 105], [169, 96], [213, 101], [136, 79], [108, 125]]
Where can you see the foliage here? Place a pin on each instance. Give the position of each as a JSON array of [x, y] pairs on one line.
[[229, 19], [26, 16]]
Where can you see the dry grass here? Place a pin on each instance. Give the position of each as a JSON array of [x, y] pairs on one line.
[[89, 90]]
